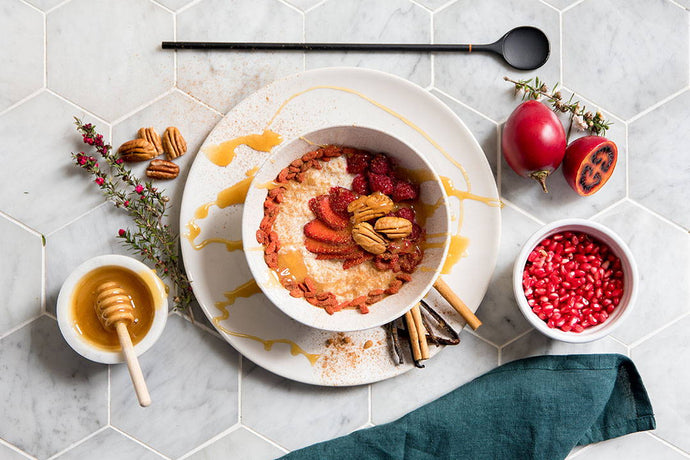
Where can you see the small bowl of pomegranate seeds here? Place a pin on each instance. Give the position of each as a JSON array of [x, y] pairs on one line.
[[575, 280]]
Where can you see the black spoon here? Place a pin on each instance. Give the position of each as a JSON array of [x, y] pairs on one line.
[[524, 48]]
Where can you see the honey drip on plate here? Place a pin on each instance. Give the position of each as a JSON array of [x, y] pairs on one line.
[[246, 290], [223, 153], [230, 196]]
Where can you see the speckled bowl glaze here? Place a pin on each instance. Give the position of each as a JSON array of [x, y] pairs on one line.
[[390, 307], [617, 246], [64, 312]]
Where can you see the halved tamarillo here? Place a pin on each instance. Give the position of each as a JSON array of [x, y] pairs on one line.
[[589, 162]]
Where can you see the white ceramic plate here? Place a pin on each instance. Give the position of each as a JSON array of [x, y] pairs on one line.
[[306, 102]]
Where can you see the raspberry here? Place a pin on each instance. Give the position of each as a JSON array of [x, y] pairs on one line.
[[406, 213], [380, 164], [404, 191], [381, 183], [360, 185], [339, 199], [358, 162], [416, 232]]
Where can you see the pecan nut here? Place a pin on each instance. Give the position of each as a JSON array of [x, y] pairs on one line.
[[370, 207], [174, 144], [152, 136], [365, 236], [137, 150], [393, 227], [162, 170]]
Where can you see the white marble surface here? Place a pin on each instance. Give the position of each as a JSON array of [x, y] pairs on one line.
[[101, 60]]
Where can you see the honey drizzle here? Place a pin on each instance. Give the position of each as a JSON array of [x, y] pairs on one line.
[[230, 196], [223, 153], [246, 290]]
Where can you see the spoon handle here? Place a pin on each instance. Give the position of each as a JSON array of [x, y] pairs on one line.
[[393, 47], [135, 373]]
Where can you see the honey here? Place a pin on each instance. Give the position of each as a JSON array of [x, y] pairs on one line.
[[83, 314]]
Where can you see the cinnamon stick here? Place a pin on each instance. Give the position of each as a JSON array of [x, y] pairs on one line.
[[457, 303]]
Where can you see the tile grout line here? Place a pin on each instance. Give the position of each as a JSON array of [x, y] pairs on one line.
[[667, 444], [143, 106], [655, 106], [658, 330], [200, 102], [627, 161], [44, 297], [594, 103], [45, 50], [268, 440], [20, 224], [109, 394], [569, 7], [659, 216], [21, 325], [67, 224], [174, 20], [468, 107], [515, 207], [240, 366], [77, 106], [15, 449], [77, 443], [604, 210], [50, 10], [211, 441], [22, 101], [132, 438], [188, 6]]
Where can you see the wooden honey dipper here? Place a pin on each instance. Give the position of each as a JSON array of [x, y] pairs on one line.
[[115, 311]]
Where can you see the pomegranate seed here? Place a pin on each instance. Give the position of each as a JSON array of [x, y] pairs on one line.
[[572, 281]]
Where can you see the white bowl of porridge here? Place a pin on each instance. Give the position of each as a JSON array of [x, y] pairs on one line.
[[346, 228]]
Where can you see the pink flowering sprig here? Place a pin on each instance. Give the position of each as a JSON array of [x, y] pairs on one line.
[[153, 240]]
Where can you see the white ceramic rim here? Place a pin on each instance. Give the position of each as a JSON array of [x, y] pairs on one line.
[[630, 277], [86, 349], [306, 313]]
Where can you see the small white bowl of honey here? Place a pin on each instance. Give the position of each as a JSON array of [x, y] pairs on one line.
[[77, 317]]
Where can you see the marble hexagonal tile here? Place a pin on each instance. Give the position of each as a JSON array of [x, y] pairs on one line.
[[223, 78], [45, 5], [635, 446], [659, 169], [21, 53], [484, 130], [40, 185], [661, 252], [193, 380], [451, 368], [53, 397], [124, 40], [562, 201], [73, 244], [296, 415], [241, 443], [622, 54], [534, 343], [477, 79], [21, 263], [369, 21], [658, 360], [499, 312], [193, 119], [110, 445]]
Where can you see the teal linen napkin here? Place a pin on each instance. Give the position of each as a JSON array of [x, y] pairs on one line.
[[536, 408]]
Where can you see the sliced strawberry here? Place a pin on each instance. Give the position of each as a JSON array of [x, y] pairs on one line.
[[351, 262], [338, 255], [319, 247], [319, 231], [321, 207]]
